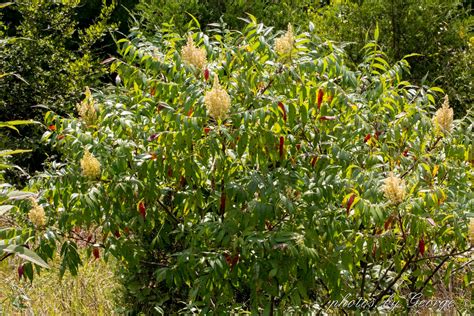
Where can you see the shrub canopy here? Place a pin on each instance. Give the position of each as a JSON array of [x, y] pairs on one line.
[[284, 202]]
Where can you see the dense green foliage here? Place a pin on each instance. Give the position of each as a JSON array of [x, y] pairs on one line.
[[276, 207], [439, 30], [276, 13], [52, 56]]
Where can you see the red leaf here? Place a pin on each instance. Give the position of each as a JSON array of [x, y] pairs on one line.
[[182, 181], [142, 209], [222, 204], [405, 153], [320, 98], [421, 246], [190, 112], [96, 252], [228, 258], [367, 137], [298, 146], [377, 134], [60, 137], [282, 142], [153, 92], [388, 222], [117, 234], [206, 130], [21, 271], [282, 108], [231, 260], [327, 118], [349, 203], [206, 74], [313, 161], [52, 127]]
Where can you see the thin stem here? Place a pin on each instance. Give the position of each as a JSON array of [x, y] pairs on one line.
[[445, 255], [279, 70], [168, 211]]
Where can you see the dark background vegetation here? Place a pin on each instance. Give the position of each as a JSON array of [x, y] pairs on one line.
[[54, 49]]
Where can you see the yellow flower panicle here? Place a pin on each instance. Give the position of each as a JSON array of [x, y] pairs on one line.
[[284, 44], [193, 55], [471, 231], [37, 215], [394, 189], [90, 166], [217, 100], [443, 118], [86, 109]]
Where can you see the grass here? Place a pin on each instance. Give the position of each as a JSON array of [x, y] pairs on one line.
[[91, 292]]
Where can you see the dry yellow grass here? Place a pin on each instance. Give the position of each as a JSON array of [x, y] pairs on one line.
[[90, 293]]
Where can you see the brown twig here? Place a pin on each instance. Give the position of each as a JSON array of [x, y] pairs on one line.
[[385, 291], [435, 270], [377, 285]]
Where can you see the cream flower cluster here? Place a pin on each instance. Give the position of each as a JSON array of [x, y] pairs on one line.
[[217, 100], [36, 214], [90, 166], [394, 189], [443, 118], [284, 44], [193, 55], [86, 109]]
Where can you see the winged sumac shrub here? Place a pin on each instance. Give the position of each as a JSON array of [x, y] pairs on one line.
[[255, 171]]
